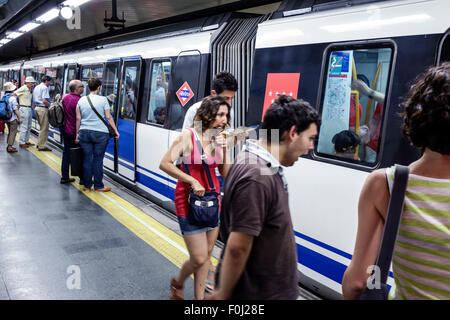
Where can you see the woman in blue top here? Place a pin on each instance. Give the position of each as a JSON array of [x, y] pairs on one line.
[[93, 135]]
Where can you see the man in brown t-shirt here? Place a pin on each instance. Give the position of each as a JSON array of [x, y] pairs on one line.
[[259, 260]]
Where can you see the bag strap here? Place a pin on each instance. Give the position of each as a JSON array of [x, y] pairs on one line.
[[394, 213], [205, 165], [96, 112]]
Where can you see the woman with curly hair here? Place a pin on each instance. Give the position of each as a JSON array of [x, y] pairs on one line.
[[421, 253], [209, 123]]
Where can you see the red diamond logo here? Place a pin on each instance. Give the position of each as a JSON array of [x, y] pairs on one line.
[[185, 93]]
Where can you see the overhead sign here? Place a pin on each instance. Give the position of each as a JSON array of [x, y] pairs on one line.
[[278, 84], [185, 93]]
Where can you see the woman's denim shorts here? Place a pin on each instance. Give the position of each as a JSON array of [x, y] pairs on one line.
[[188, 229]]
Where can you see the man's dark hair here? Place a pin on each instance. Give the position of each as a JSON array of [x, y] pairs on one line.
[[224, 81], [45, 78], [345, 140], [286, 112], [426, 116], [94, 83]]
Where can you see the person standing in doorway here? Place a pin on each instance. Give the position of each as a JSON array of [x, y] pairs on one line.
[[41, 100], [26, 112], [70, 102]]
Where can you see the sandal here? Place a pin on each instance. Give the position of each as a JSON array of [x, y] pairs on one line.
[[209, 286], [174, 287]]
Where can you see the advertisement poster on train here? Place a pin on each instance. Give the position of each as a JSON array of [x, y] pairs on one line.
[[336, 101], [280, 83]]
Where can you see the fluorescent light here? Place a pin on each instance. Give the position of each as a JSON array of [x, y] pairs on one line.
[[74, 3], [29, 26], [14, 35], [48, 16], [5, 40]]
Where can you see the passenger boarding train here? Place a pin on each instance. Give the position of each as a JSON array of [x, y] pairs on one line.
[[314, 55]]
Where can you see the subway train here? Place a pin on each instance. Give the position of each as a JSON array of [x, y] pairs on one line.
[[316, 54]]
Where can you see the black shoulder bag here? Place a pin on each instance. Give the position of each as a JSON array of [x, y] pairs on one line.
[[391, 226], [203, 211], [111, 131]]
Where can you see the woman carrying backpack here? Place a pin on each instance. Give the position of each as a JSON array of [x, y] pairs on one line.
[[15, 119]]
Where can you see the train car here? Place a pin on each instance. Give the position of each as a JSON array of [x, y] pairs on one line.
[[313, 54]]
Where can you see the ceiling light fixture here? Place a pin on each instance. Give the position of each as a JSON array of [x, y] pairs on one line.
[[48, 16], [74, 3], [5, 40], [66, 13], [29, 26], [13, 35]]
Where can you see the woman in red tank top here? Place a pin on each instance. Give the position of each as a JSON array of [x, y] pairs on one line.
[[209, 123]]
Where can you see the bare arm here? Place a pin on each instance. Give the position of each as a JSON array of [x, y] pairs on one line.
[[78, 123], [181, 145], [372, 209], [234, 260], [47, 104]]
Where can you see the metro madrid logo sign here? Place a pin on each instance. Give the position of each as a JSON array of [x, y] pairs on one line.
[[185, 93]]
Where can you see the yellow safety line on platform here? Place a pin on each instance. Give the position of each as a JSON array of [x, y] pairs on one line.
[[165, 241]]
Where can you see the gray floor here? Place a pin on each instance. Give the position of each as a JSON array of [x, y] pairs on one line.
[[53, 238]]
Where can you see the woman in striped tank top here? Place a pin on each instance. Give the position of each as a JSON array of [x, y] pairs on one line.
[[421, 258]]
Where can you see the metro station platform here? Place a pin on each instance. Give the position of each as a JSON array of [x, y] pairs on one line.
[[58, 242]]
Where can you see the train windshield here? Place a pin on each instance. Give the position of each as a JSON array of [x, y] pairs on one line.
[[353, 104]]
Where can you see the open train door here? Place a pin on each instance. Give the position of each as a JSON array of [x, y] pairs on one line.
[[126, 122], [111, 84]]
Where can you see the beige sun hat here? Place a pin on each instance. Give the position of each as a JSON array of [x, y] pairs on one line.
[[30, 79], [9, 86]]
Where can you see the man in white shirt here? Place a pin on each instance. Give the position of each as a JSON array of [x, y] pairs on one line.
[[224, 85], [25, 101], [41, 100]]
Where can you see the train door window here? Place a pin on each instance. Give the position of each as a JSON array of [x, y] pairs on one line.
[[56, 83], [444, 50], [111, 81], [157, 106], [87, 72], [129, 92], [38, 72], [71, 73], [354, 87]]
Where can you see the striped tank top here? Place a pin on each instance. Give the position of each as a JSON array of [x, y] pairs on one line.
[[421, 259]]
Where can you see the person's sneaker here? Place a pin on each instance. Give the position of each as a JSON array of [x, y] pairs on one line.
[[23, 145], [44, 149], [86, 189], [62, 181], [106, 189], [29, 144]]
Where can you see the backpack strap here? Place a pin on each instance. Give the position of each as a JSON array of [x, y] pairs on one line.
[[96, 112], [391, 226]]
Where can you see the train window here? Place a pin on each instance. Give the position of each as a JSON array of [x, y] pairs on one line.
[[71, 73], [157, 107], [129, 93], [87, 72], [352, 104], [56, 83], [444, 51], [38, 72], [111, 81]]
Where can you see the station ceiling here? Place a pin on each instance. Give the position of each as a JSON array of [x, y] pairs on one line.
[[137, 13]]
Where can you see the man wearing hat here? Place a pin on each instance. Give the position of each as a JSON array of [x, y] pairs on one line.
[[25, 97], [16, 119]]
